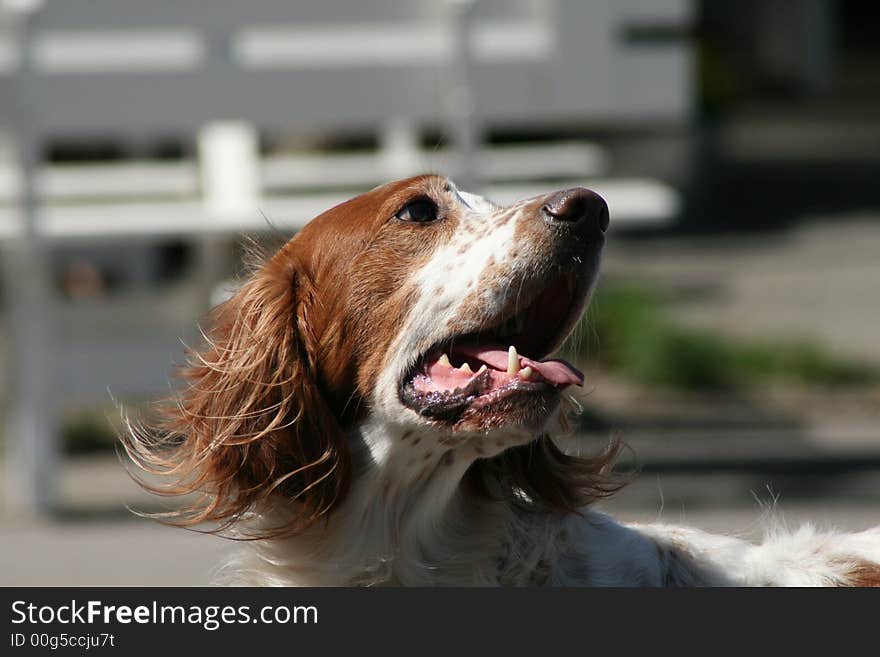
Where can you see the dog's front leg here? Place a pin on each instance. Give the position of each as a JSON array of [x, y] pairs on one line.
[[803, 557], [601, 551]]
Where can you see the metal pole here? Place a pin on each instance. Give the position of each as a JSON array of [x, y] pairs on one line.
[[462, 120], [229, 164], [31, 440]]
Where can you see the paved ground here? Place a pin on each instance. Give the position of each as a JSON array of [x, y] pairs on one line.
[[102, 553]]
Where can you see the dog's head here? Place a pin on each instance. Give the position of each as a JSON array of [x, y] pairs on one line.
[[416, 308]]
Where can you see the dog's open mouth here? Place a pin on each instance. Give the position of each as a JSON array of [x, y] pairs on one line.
[[507, 359]]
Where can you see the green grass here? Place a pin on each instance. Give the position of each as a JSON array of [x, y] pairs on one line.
[[89, 429], [87, 432], [627, 330]]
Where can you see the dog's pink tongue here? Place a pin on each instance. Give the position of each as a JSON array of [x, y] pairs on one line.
[[557, 372]]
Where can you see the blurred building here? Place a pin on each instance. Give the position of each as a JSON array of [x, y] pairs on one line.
[[142, 138]]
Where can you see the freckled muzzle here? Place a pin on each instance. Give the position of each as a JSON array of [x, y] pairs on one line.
[[501, 360]]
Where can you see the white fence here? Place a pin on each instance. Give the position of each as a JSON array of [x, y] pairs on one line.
[[222, 72]]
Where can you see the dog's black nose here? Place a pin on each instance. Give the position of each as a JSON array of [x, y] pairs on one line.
[[577, 204]]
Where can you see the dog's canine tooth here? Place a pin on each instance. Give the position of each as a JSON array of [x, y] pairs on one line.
[[512, 361]]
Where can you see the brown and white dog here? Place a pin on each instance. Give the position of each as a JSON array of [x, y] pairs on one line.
[[376, 406]]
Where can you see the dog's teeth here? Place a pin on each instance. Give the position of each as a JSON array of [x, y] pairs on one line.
[[526, 373], [466, 368], [482, 369], [512, 361], [444, 360]]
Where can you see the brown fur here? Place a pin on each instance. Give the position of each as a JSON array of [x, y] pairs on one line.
[[541, 477], [252, 422], [865, 574]]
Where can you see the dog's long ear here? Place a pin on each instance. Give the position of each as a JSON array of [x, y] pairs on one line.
[[251, 425]]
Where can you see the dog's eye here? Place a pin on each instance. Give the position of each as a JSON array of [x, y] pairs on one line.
[[420, 211]]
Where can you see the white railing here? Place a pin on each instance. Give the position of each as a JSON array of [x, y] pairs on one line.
[[138, 70]]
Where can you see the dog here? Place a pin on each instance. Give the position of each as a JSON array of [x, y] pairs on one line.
[[376, 406]]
